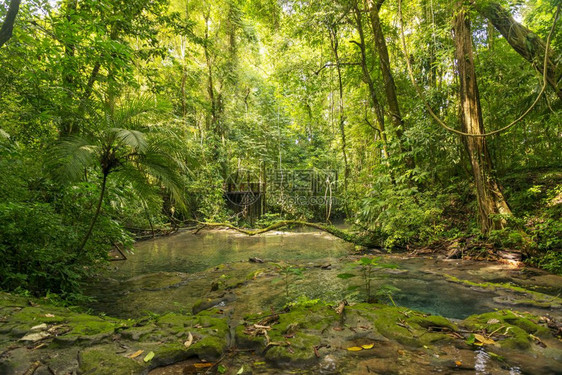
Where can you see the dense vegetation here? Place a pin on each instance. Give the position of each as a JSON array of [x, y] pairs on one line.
[[124, 114]]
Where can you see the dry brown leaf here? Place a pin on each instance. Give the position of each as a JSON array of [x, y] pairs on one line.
[[203, 365]]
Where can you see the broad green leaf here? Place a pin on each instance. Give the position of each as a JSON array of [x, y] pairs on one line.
[[148, 357]]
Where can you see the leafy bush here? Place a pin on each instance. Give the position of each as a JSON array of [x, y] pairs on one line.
[[35, 250], [551, 261], [402, 215]]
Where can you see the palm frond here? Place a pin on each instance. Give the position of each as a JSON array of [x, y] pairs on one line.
[[68, 159], [4, 135], [131, 138]]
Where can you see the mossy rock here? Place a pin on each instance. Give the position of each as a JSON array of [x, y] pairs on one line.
[[138, 333], [316, 317], [304, 323], [431, 321], [88, 325], [36, 315], [102, 360], [210, 347], [212, 319], [174, 322], [516, 327], [300, 353], [246, 341], [405, 326]]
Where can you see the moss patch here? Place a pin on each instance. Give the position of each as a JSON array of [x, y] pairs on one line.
[[513, 330], [102, 360], [538, 299]]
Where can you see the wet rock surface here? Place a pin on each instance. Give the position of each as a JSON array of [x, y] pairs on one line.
[[286, 315], [309, 337], [70, 342]]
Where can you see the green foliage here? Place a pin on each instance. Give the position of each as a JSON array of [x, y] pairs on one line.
[[254, 84], [550, 261], [367, 270], [288, 274], [401, 215], [38, 251]]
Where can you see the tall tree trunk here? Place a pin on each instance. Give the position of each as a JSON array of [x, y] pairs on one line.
[[379, 110], [335, 49], [8, 24], [212, 121], [389, 85], [68, 125], [526, 43], [491, 201]]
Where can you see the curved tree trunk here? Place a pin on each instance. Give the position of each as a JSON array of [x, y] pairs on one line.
[[491, 201], [95, 218], [8, 25], [526, 43]]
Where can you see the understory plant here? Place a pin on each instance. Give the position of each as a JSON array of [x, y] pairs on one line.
[[368, 267], [288, 274]]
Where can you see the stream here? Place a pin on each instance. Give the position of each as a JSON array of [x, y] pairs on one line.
[[163, 272], [190, 272]]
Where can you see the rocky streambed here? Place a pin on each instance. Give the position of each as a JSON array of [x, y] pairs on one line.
[[256, 308]]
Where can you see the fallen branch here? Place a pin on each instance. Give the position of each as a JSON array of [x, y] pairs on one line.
[[344, 235]]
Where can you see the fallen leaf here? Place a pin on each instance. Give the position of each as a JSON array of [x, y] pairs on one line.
[[257, 326], [148, 357], [241, 371], [189, 340], [492, 321], [338, 329], [40, 327], [49, 315], [368, 346], [198, 326], [203, 365], [354, 348], [33, 337], [135, 354], [484, 340]]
